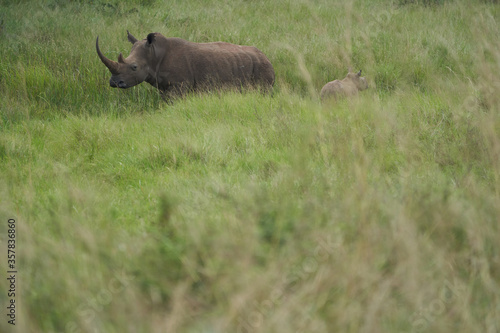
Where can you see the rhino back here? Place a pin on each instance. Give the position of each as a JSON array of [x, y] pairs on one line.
[[208, 64], [331, 89]]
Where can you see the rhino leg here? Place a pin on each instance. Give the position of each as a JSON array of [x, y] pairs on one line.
[[167, 98], [174, 91]]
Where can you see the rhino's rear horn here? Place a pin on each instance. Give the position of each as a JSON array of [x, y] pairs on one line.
[[120, 59], [112, 65]]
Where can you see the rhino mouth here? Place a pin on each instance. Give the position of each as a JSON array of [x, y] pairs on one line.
[[118, 84]]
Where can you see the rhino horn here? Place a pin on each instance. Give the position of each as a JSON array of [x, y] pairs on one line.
[[359, 73], [120, 59], [112, 65]]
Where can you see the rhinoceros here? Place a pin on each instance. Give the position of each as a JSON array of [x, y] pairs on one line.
[[349, 86], [176, 66]]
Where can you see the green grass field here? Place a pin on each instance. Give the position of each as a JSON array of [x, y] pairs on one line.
[[228, 212]]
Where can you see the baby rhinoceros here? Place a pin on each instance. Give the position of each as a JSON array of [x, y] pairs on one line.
[[349, 86]]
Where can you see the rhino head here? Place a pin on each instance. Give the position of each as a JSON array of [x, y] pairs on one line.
[[135, 68], [358, 80]]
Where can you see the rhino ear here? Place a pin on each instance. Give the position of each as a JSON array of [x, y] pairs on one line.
[[131, 38], [359, 73], [151, 38]]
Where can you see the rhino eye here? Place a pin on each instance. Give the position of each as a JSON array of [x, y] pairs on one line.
[[133, 67]]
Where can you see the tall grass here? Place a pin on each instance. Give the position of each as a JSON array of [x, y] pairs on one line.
[[227, 212]]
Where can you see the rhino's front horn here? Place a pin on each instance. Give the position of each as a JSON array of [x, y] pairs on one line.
[[112, 65]]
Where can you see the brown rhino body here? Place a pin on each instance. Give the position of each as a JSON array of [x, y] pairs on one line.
[[349, 86], [176, 66]]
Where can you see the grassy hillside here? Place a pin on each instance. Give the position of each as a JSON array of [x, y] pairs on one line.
[[229, 212]]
